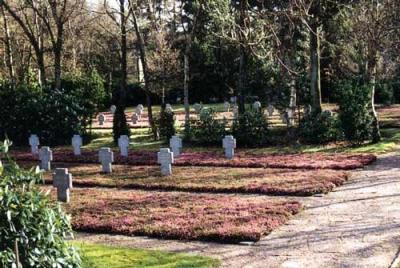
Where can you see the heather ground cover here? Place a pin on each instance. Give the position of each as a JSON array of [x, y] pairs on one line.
[[101, 256], [208, 179], [217, 159], [176, 215]]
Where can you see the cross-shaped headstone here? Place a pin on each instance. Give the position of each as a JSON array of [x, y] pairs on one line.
[[168, 108], [197, 107], [106, 158], [62, 180], [34, 143], [113, 108], [307, 109], [45, 156], [176, 145], [227, 106], [165, 158], [123, 144], [102, 118], [270, 110], [229, 144], [257, 105], [77, 143], [235, 111], [135, 118]]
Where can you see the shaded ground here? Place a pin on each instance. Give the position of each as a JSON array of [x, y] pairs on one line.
[[357, 225], [206, 179], [221, 218]]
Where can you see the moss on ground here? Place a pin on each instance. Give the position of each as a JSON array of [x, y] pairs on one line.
[[101, 256]]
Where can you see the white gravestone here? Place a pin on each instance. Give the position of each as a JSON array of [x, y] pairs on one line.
[[176, 145], [34, 143], [197, 107], [235, 111], [106, 158], [113, 108], [257, 106], [76, 144], [270, 110], [123, 144], [102, 118], [168, 108], [229, 144], [139, 109], [135, 118], [45, 156], [62, 180], [165, 158], [227, 106]]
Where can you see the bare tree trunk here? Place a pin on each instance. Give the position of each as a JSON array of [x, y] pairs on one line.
[[315, 87], [243, 59], [186, 71], [9, 53], [292, 102], [142, 52], [376, 133], [242, 79]]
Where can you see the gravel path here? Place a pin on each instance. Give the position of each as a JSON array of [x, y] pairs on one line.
[[357, 225]]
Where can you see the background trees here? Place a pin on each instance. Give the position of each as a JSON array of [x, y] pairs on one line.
[[288, 53]]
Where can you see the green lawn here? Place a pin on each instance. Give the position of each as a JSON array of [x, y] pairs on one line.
[[100, 256]]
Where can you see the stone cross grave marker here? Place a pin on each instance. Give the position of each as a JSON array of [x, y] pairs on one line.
[[113, 108], [165, 158], [227, 106], [45, 156], [139, 109], [123, 144], [257, 105], [235, 111], [34, 143], [106, 158], [62, 180], [77, 143], [135, 118], [102, 118], [176, 145], [270, 110], [168, 108], [197, 107], [229, 144]]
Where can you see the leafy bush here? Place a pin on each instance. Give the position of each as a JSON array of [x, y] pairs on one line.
[[207, 130], [120, 125], [165, 124], [251, 128], [354, 113], [89, 91], [53, 116], [319, 128], [31, 224]]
